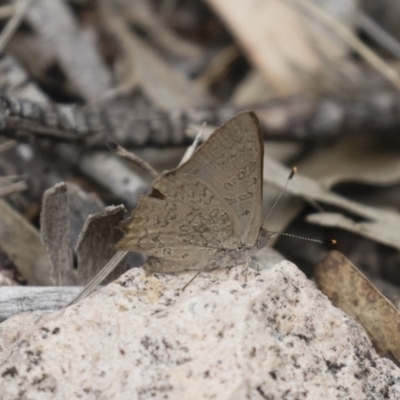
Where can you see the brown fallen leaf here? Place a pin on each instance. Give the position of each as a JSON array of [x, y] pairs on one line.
[[352, 292]]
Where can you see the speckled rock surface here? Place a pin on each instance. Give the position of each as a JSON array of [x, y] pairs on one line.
[[141, 337]]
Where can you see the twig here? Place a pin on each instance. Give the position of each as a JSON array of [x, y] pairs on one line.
[[301, 118], [133, 158]]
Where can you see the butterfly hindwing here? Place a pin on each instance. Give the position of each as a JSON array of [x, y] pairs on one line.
[[211, 202]]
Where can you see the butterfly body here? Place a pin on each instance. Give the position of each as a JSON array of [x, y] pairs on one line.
[[205, 214]]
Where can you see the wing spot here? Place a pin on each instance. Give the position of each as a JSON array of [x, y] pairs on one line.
[[184, 228], [228, 186], [230, 201], [246, 196], [166, 251], [241, 175]]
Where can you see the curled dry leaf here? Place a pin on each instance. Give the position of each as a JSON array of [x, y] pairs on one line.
[[352, 292]]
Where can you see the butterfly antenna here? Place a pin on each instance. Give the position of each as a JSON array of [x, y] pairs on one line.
[[273, 233], [329, 241], [272, 209]]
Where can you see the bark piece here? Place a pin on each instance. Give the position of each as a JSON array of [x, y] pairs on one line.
[[21, 299]]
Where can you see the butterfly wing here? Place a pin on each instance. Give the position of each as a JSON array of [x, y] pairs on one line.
[[231, 162], [213, 201], [180, 221]]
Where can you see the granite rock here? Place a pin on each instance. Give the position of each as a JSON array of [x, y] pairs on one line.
[[267, 335]]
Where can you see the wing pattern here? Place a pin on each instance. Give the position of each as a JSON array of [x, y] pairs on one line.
[[211, 202]]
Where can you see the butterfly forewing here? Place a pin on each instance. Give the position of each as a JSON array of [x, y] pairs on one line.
[[231, 162]]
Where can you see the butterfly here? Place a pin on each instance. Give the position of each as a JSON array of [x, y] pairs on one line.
[[206, 213]]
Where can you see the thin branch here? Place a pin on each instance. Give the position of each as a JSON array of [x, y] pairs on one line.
[[300, 118], [133, 158]]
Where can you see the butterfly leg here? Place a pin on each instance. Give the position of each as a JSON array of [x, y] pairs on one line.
[[192, 279], [254, 264], [246, 270]]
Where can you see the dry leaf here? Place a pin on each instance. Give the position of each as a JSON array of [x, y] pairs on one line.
[[11, 184], [279, 54], [352, 292], [30, 257], [96, 244], [76, 227], [76, 52], [381, 225], [287, 49], [378, 230], [366, 161], [164, 86]]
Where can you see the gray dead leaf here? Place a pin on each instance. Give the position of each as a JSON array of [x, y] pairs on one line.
[[96, 244], [167, 88], [76, 53], [381, 225], [142, 15], [11, 184], [30, 259], [353, 160], [72, 219], [377, 230]]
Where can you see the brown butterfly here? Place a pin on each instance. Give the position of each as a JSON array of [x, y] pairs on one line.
[[206, 213]]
